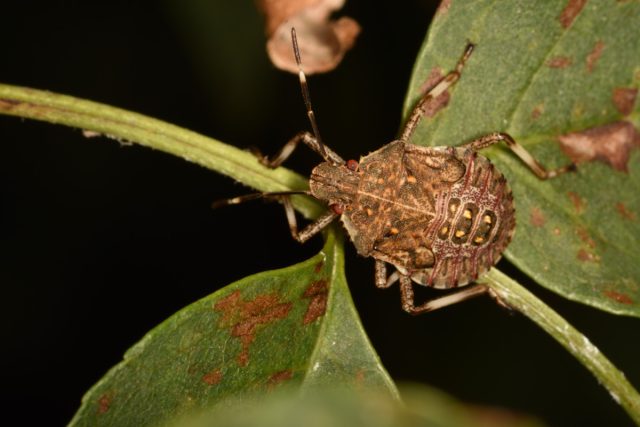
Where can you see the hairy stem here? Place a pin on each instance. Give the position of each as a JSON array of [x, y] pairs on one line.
[[517, 297], [127, 126]]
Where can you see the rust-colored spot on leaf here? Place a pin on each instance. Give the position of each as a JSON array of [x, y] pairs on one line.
[[625, 212], [594, 55], [228, 305], [537, 111], [318, 267], [104, 403], [570, 11], [618, 297], [624, 98], [610, 144], [583, 233], [443, 8], [438, 103], [537, 218], [246, 316], [584, 255], [559, 62], [318, 292], [213, 377], [578, 202], [279, 377], [322, 41]]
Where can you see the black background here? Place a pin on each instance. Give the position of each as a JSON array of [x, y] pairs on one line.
[[102, 242]]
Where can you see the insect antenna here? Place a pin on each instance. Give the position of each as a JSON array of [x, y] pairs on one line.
[[306, 95], [253, 196]]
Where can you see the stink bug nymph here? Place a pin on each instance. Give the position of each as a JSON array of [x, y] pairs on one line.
[[440, 216]]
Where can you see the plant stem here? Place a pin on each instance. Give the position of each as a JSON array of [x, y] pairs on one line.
[[517, 297], [127, 126]]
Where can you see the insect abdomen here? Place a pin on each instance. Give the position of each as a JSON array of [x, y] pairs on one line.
[[473, 225]]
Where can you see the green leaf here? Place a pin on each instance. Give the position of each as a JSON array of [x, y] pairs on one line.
[[421, 407], [542, 70], [294, 327]]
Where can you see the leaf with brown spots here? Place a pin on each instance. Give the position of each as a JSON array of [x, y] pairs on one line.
[[618, 297], [562, 78], [559, 62], [295, 326], [624, 212], [576, 201], [624, 99], [318, 293], [570, 11], [537, 217], [594, 55], [213, 377]]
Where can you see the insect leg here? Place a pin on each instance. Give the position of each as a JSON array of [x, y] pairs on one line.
[[291, 145], [382, 281], [253, 196], [310, 230], [526, 157], [408, 305], [301, 236], [444, 84]]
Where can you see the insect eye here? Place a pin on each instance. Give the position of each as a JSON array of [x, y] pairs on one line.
[[338, 209], [352, 165]]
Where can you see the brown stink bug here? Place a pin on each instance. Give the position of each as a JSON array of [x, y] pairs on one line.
[[441, 216]]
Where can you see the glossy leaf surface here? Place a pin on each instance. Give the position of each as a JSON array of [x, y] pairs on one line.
[[294, 327]]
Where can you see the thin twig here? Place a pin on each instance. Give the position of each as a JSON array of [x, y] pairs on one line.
[[127, 126], [517, 297]]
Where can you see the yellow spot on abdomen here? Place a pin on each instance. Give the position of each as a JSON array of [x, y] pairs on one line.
[[459, 233]]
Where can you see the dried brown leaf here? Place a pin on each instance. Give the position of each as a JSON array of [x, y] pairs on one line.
[[322, 41]]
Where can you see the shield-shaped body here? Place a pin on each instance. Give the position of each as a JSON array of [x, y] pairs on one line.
[[441, 215]]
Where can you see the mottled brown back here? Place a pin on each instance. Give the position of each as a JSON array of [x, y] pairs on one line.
[[442, 215]]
